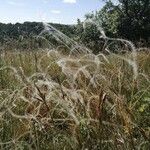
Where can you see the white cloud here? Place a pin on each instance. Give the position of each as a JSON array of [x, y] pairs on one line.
[[15, 3], [55, 11], [70, 1], [45, 1]]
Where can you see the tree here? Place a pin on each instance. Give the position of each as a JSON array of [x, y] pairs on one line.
[[24, 36], [90, 31], [129, 19], [88, 34], [134, 19], [108, 18]]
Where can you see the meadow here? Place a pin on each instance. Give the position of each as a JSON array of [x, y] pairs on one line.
[[81, 86], [50, 100]]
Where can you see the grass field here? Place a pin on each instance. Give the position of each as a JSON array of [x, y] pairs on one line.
[[52, 101]]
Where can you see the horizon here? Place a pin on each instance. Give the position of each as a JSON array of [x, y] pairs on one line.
[[51, 11], [36, 22]]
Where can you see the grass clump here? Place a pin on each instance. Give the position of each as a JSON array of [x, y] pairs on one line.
[[53, 101], [76, 100]]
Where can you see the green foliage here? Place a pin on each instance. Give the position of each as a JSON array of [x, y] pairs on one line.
[[89, 36], [134, 19], [127, 19], [108, 17], [25, 36]]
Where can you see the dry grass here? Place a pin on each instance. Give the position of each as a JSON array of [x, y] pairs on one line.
[[52, 101]]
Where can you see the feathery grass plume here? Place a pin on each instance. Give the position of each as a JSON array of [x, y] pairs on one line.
[[75, 100]]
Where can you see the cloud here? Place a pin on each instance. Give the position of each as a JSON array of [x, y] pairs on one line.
[[55, 11], [70, 1], [15, 3], [45, 1]]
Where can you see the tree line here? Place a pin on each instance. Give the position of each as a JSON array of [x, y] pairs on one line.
[[127, 19], [25, 36]]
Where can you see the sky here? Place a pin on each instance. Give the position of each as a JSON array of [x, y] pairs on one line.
[[56, 11]]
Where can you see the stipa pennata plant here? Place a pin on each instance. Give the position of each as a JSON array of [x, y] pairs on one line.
[[78, 100]]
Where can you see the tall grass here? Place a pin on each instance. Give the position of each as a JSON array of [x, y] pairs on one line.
[[51, 100]]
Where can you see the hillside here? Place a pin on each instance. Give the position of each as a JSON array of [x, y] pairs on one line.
[[24, 36]]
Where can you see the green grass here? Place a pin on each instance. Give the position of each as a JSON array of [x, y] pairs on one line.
[[49, 101]]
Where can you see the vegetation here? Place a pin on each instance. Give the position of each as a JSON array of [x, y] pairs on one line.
[[128, 19], [26, 36], [50, 101], [56, 93]]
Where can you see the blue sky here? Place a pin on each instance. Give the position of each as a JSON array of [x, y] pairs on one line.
[[58, 11]]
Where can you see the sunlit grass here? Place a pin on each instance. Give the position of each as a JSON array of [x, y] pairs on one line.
[[52, 101]]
